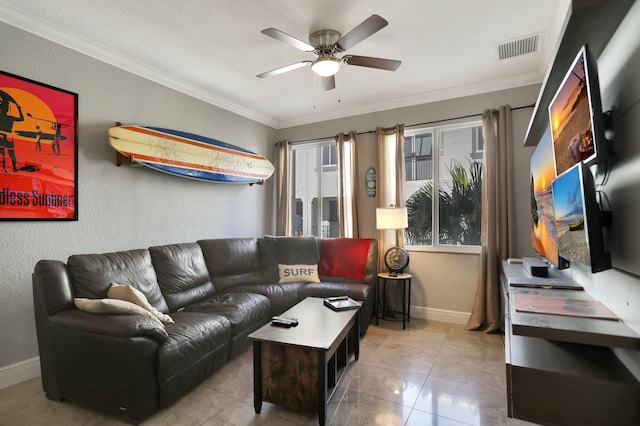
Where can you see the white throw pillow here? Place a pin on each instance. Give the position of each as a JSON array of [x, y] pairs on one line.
[[299, 273], [113, 306], [133, 295]]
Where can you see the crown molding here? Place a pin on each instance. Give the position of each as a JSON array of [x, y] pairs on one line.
[[21, 20], [423, 98]]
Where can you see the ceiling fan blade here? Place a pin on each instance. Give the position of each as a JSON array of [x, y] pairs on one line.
[[367, 61], [328, 83], [369, 26], [285, 69], [290, 40]]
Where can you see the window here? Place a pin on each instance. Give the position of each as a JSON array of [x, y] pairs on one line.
[[315, 189], [448, 158], [297, 218], [329, 157], [418, 158], [477, 143]]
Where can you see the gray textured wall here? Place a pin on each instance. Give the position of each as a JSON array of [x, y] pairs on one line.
[[119, 207]]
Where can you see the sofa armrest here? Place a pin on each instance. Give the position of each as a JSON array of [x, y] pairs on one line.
[[106, 362], [110, 325]]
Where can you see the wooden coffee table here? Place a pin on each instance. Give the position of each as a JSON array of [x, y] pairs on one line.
[[300, 367]]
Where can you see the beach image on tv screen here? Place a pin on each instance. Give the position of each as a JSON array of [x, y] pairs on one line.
[[570, 118], [570, 217], [543, 225]]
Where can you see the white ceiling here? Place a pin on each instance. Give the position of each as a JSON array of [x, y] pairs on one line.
[[213, 49]]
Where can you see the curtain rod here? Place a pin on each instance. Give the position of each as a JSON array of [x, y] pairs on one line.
[[368, 132]]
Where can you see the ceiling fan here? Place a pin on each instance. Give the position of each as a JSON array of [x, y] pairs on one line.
[[326, 44]]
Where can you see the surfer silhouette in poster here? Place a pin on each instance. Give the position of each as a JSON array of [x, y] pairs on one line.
[[10, 112], [38, 150], [55, 146]]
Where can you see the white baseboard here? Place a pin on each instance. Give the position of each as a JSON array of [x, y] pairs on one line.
[[443, 315], [30, 368], [19, 372]]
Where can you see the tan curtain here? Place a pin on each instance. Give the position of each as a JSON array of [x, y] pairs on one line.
[[284, 195], [497, 217], [390, 182], [347, 184]]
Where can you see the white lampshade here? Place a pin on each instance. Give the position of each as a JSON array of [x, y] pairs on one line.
[[391, 218], [326, 67]]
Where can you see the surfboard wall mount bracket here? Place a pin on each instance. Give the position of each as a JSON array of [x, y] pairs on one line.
[[123, 159], [120, 157]]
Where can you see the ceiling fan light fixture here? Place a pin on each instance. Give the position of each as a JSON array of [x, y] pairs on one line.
[[326, 67], [325, 44]]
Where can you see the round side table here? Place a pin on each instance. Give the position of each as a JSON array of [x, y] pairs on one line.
[[399, 279]]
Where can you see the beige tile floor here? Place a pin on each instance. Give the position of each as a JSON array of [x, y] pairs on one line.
[[432, 373]]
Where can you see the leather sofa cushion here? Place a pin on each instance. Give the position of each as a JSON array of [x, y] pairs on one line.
[[328, 289], [92, 275], [281, 296], [243, 310], [286, 251], [290, 296], [182, 274], [192, 337], [271, 291], [232, 262]]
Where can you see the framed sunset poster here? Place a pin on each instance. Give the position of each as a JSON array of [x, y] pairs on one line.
[[38, 151]]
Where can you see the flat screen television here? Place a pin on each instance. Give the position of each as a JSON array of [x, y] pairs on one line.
[[578, 219], [575, 115], [543, 222]]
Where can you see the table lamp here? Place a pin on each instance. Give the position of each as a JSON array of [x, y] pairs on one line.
[[396, 258]]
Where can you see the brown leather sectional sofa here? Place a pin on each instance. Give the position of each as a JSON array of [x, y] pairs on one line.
[[216, 291]]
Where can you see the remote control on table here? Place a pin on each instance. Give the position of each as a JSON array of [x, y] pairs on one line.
[[291, 321], [279, 323]]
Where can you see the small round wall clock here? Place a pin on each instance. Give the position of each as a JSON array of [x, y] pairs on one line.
[[396, 259]]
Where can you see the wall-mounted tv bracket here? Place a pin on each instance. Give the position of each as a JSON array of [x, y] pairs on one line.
[[609, 133], [602, 168], [606, 216]]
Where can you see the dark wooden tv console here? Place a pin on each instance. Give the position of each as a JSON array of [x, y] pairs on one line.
[[561, 370]]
